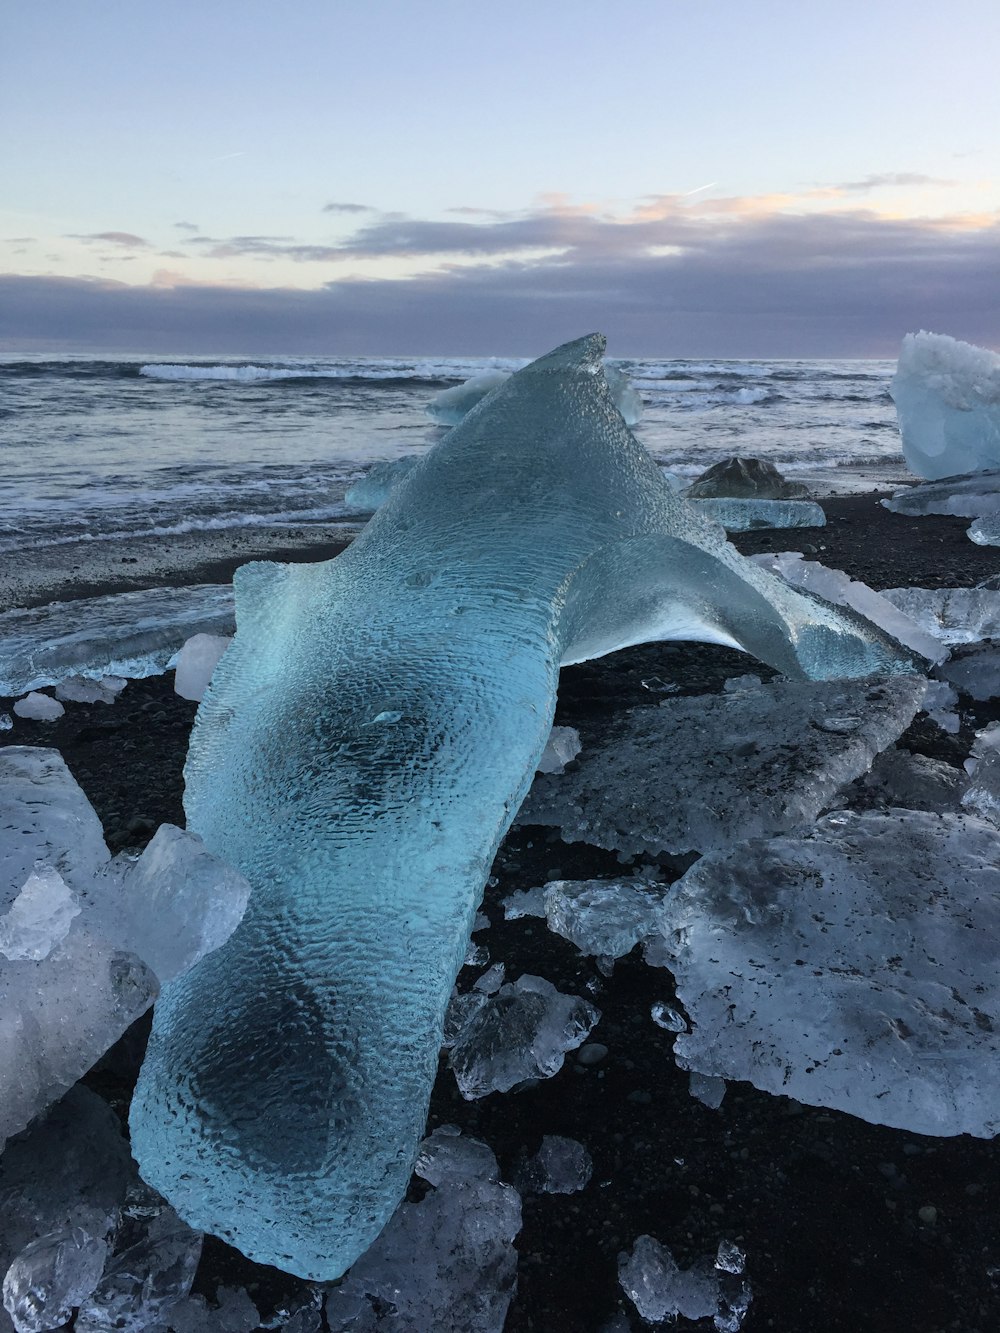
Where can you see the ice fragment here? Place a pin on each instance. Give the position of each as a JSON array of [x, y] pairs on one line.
[[744, 479], [561, 1166], [39, 707], [947, 396], [751, 515], [607, 917], [143, 1282], [562, 746], [196, 662], [953, 615], [51, 1276], [375, 487], [974, 668], [39, 917]]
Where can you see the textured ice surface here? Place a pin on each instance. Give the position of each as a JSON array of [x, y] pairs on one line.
[[562, 746], [947, 396], [125, 634], [561, 1166], [661, 1290], [233, 1312], [982, 796], [695, 774], [68, 1173], [85, 941], [144, 1280], [196, 662], [51, 1276], [750, 515], [985, 531], [953, 615], [939, 703], [974, 668], [911, 781], [972, 495], [842, 590], [854, 968], [522, 1032], [602, 917], [375, 487], [360, 754], [450, 406], [82, 690], [744, 479], [39, 707], [446, 1263]]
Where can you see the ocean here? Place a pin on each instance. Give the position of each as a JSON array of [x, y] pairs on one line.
[[107, 450]]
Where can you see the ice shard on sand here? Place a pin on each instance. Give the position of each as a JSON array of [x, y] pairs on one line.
[[359, 754]]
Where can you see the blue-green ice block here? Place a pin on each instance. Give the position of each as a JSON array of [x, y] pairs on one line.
[[361, 751]]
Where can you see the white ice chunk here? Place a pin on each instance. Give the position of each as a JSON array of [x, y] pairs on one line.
[[39, 707], [39, 917], [970, 495], [6, 722], [660, 1290], [985, 531], [561, 1166], [522, 1032], [839, 588], [445, 1263], [751, 515], [947, 396], [449, 1155], [953, 615], [939, 705], [82, 690], [196, 661], [708, 771], [974, 669], [853, 968], [603, 917], [524, 902], [562, 746], [51, 1277], [85, 942], [982, 796], [707, 1089]]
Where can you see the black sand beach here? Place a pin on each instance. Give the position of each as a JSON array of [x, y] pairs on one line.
[[846, 1226]]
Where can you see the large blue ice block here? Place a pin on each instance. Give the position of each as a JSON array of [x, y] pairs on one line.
[[363, 747]]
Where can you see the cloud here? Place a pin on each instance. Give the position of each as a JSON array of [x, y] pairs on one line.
[[347, 208], [126, 239], [724, 278], [187, 226], [890, 179]]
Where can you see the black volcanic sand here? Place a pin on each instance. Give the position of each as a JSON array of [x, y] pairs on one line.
[[847, 1226]]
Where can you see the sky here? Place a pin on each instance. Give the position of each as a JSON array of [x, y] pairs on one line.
[[392, 177]]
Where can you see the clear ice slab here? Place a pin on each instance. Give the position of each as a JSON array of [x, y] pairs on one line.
[[967, 495], [737, 515], [947, 396], [362, 750], [701, 773], [853, 968]]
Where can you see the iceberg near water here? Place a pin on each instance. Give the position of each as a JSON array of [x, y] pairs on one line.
[[359, 754], [947, 396]]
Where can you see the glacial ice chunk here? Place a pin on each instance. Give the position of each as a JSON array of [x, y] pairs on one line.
[[700, 773], [81, 690], [522, 1032], [953, 615], [39, 707], [451, 406], [144, 1281], [985, 531], [561, 748], [974, 668], [445, 1263], [947, 396], [911, 781], [752, 515], [86, 941], [128, 634], [196, 661], [51, 1277], [360, 754], [969, 495], [561, 1166], [853, 968], [982, 795], [604, 918], [661, 1290]]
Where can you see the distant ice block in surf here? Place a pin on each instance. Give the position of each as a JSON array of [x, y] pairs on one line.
[[947, 396], [360, 755], [85, 941], [450, 406]]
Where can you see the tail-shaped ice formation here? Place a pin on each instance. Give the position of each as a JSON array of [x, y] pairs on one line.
[[359, 755]]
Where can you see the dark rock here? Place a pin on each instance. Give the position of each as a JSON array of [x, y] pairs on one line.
[[745, 479]]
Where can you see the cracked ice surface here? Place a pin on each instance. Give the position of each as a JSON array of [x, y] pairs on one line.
[[853, 968], [947, 396], [86, 940], [953, 615], [697, 774], [737, 515], [363, 748]]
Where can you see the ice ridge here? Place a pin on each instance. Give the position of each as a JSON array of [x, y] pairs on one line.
[[360, 753]]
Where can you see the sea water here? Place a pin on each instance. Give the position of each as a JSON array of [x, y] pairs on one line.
[[105, 450]]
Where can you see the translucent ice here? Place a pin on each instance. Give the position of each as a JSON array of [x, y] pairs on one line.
[[953, 615], [660, 1290], [451, 405], [750, 515], [85, 941], [602, 917], [986, 531], [375, 487], [561, 1166], [445, 1263], [910, 781], [974, 668], [982, 796], [196, 662], [705, 772], [854, 968], [363, 748], [51, 1276], [522, 1032], [39, 707], [562, 746], [947, 396], [970, 495], [81, 690], [144, 1280]]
